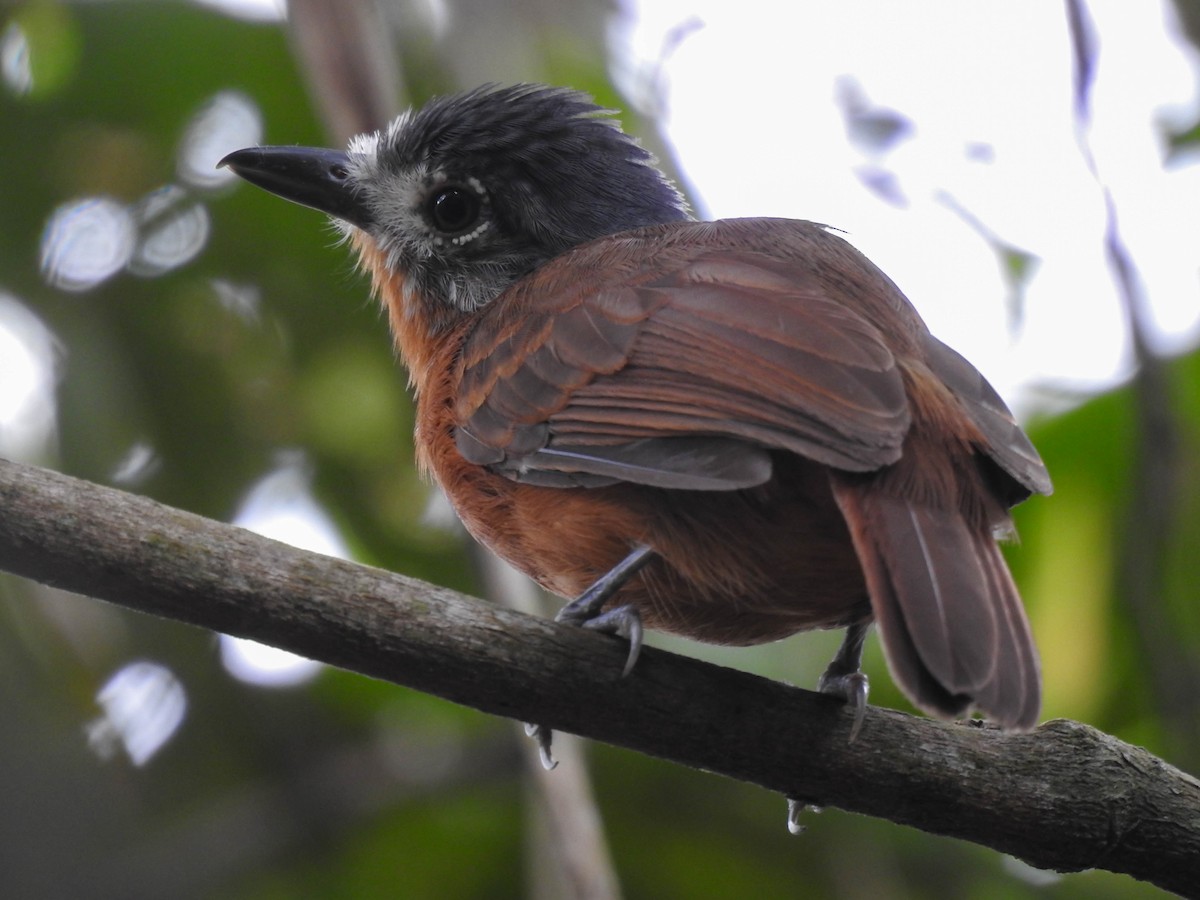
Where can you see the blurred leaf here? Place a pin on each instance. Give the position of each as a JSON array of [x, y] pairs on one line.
[[1182, 145], [46, 37]]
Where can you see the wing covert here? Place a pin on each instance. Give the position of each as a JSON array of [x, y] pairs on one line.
[[1007, 445], [683, 374]]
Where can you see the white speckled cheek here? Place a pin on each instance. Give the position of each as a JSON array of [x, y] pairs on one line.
[[393, 200]]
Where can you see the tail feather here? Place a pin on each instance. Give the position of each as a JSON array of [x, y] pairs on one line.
[[1022, 691], [951, 622]]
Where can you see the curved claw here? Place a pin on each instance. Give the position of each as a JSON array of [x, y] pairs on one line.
[[543, 736], [852, 687], [625, 622], [844, 679], [795, 809], [635, 643]]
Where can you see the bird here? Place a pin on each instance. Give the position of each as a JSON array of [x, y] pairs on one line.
[[731, 430]]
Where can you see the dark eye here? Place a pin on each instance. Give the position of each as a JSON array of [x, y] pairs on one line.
[[453, 209]]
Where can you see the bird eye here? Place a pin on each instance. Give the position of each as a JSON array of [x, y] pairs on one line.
[[454, 209]]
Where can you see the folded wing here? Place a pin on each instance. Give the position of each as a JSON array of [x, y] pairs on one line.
[[683, 379]]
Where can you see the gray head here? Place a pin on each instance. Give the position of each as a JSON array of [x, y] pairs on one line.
[[470, 192]]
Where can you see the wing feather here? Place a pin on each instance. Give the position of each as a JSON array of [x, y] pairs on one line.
[[1007, 444], [747, 352]]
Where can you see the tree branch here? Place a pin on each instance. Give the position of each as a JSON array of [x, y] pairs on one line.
[[1065, 797]]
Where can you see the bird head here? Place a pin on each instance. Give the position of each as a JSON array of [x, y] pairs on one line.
[[456, 200]]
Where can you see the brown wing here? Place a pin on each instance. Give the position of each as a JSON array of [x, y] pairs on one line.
[[1007, 445], [680, 373]]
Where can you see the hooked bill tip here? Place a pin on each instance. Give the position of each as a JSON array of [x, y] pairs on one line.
[[231, 160]]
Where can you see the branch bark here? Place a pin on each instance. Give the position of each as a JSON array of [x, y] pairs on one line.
[[1065, 797]]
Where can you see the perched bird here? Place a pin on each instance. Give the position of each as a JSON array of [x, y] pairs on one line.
[[732, 430]]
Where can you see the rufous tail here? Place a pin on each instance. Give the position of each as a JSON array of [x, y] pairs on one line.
[[952, 624]]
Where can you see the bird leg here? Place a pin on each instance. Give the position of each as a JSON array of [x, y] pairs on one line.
[[587, 611], [844, 678]]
